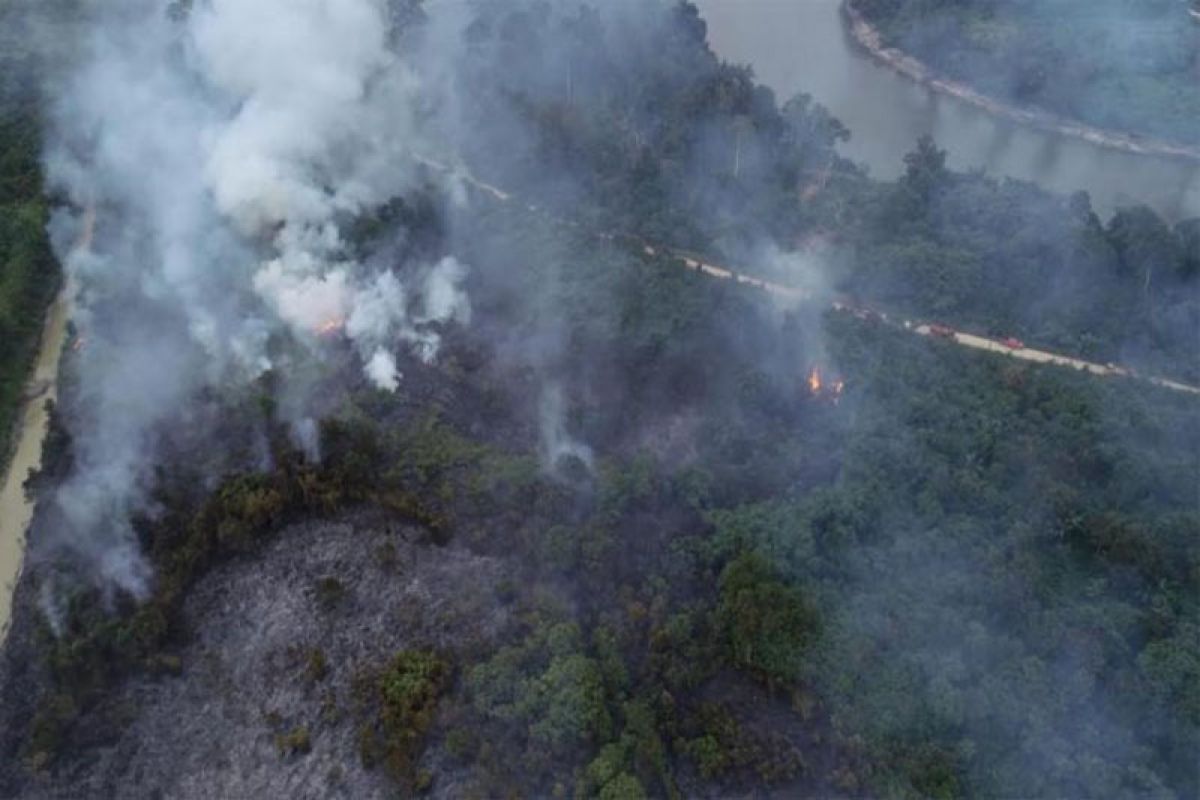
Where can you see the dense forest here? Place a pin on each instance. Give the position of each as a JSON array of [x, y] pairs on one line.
[[28, 271], [1126, 65], [614, 542], [703, 158]]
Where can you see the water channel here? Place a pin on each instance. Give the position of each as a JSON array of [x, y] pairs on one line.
[[803, 46]]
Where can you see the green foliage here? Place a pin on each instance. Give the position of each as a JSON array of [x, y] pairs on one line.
[[768, 625], [316, 665], [567, 702], [715, 159], [627, 485], [622, 787], [636, 755], [682, 653], [295, 741], [1171, 668], [248, 506], [935, 775], [710, 758], [400, 703], [547, 683], [238, 516], [1003, 556], [1005, 258], [29, 273], [422, 781], [50, 724], [720, 745], [1115, 64]]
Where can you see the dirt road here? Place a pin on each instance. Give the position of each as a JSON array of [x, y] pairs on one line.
[[42, 386], [15, 509], [691, 261]]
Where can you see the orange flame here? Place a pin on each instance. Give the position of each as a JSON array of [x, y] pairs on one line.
[[329, 327], [825, 388]]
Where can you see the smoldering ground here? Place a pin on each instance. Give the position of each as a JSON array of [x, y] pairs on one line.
[[201, 281], [220, 148], [223, 146]]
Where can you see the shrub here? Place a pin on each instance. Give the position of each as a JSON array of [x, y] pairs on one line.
[[294, 741], [768, 626], [404, 698], [330, 593], [622, 787], [316, 666]]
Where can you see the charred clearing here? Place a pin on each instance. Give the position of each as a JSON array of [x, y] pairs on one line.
[[419, 446]]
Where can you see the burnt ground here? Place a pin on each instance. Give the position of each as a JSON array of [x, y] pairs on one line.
[[210, 719], [246, 676]]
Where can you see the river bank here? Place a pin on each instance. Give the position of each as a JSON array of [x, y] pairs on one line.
[[15, 509], [867, 37]]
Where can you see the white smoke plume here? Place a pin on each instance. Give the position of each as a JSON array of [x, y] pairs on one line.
[[223, 146], [381, 368], [559, 447], [445, 299]]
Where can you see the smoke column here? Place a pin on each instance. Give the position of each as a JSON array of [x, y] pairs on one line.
[[223, 145]]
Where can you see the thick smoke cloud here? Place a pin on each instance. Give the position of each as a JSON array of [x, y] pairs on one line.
[[224, 150], [221, 150], [223, 153]]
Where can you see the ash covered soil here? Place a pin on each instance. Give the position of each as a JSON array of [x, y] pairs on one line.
[[276, 642]]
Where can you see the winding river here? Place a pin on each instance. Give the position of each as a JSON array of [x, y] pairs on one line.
[[802, 46]]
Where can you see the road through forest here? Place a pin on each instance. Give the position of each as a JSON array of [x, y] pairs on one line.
[[16, 510], [919, 328]]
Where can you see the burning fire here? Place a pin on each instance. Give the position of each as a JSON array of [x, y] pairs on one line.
[[329, 327], [818, 387]]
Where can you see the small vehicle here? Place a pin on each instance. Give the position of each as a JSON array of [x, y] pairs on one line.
[[1011, 343], [941, 330]]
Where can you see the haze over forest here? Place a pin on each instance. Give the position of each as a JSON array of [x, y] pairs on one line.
[[512, 398]]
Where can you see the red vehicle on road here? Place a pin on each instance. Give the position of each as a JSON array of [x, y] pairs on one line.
[[1012, 343]]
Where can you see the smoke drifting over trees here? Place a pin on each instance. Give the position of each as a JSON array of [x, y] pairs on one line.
[[384, 296], [220, 148], [1124, 65]]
